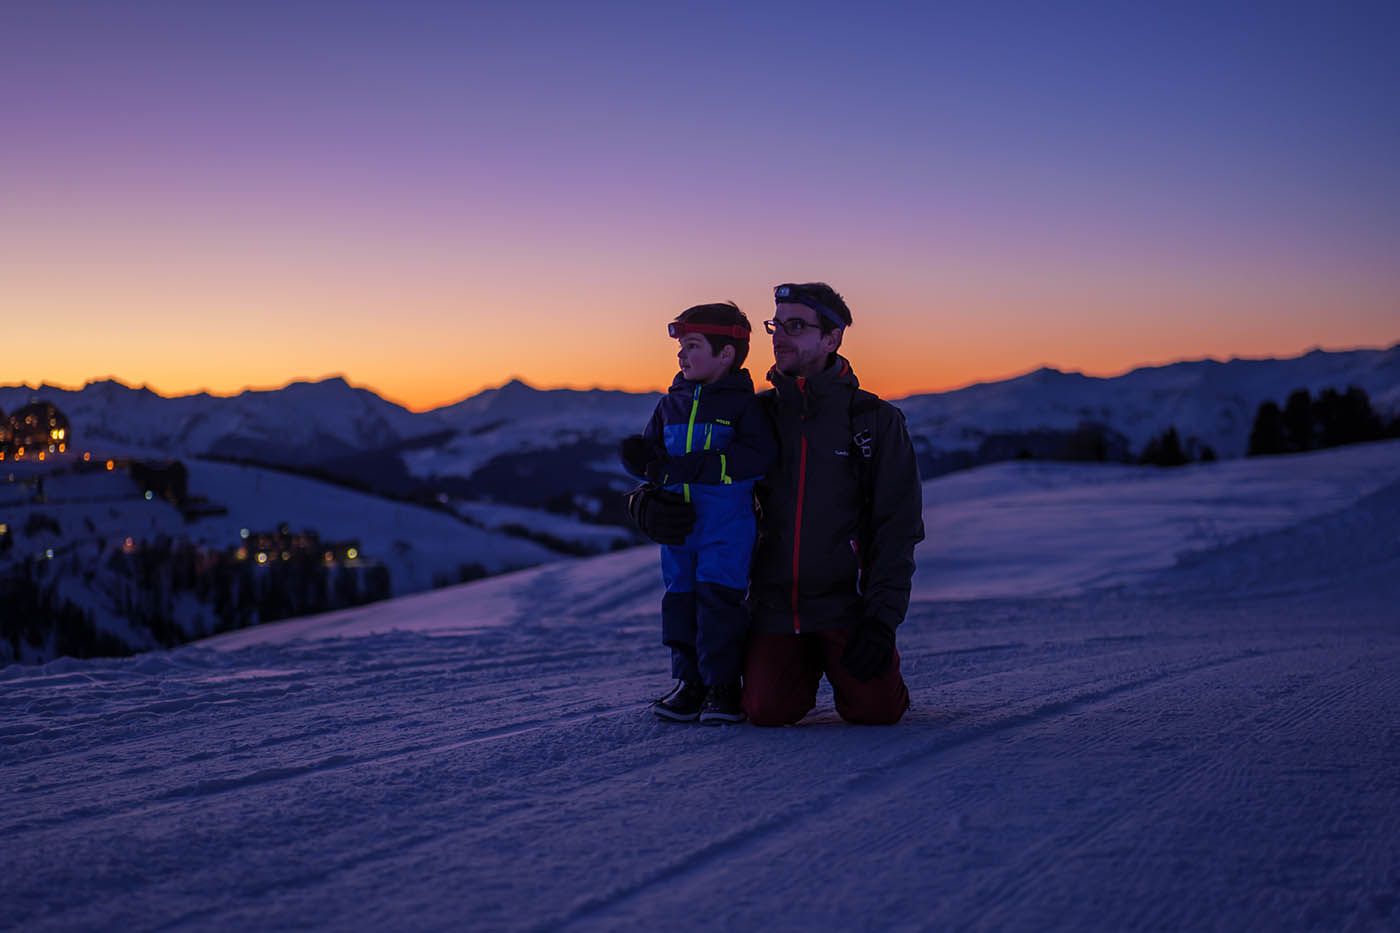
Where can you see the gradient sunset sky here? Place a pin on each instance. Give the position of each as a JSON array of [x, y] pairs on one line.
[[431, 198]]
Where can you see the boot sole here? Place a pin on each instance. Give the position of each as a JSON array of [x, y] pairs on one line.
[[669, 716], [721, 719]]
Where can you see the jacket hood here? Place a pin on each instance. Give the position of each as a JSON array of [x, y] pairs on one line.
[[738, 380]]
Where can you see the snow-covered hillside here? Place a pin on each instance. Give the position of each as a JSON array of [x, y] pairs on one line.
[[303, 422], [1212, 401], [84, 519], [517, 418], [1213, 745], [329, 421]]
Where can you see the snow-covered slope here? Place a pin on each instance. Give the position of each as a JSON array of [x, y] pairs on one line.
[[417, 544], [1213, 747], [1209, 400], [299, 423], [516, 418], [84, 519]]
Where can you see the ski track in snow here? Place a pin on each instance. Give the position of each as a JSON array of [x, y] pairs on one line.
[[1215, 748]]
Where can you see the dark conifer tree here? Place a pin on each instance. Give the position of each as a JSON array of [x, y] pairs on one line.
[[1266, 437], [1165, 450], [1345, 419], [1298, 422]]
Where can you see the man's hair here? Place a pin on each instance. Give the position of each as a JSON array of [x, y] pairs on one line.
[[822, 294], [723, 312]]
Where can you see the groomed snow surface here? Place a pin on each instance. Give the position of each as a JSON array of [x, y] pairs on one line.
[[1192, 722]]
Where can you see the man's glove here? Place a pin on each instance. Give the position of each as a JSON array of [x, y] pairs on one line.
[[685, 468], [869, 650], [664, 517], [637, 453]]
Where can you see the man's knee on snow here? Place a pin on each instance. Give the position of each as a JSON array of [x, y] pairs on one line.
[[774, 708], [873, 708]]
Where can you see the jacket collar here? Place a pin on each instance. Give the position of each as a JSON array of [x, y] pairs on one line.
[[739, 381], [836, 377]]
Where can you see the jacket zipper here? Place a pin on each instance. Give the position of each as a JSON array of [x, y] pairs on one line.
[[690, 436], [797, 523]]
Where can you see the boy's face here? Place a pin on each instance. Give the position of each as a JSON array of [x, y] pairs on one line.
[[698, 362]]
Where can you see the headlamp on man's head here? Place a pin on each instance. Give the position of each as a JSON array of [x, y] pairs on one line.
[[793, 294], [679, 329]]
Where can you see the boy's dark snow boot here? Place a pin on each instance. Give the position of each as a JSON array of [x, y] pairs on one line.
[[722, 705], [681, 704]]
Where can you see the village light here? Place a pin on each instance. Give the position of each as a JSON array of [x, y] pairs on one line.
[[87, 456], [352, 553], [111, 465], [243, 533], [262, 558], [149, 496], [48, 553]]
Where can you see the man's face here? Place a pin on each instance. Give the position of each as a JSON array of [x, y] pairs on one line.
[[805, 353], [699, 363]]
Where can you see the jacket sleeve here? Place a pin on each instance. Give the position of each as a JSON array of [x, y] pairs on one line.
[[896, 522], [749, 454], [652, 433]]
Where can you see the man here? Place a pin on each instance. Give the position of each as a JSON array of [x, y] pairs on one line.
[[840, 514]]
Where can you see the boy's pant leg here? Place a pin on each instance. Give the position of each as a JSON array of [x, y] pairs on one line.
[[721, 624], [878, 702], [678, 612], [781, 676], [721, 581]]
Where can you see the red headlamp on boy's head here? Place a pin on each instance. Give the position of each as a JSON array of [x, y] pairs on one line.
[[679, 329]]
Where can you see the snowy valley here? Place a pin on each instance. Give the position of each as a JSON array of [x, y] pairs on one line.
[[1141, 700]]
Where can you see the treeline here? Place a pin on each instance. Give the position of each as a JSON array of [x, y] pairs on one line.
[[1167, 450], [154, 581], [33, 613], [171, 589], [1333, 419]]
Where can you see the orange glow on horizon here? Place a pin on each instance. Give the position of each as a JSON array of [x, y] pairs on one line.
[[898, 373]]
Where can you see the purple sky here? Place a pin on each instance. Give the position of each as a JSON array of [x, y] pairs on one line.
[[431, 197]]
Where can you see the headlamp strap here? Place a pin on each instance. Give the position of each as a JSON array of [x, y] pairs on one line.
[[785, 294], [678, 329]]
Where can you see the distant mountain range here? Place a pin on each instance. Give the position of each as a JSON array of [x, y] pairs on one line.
[[533, 447]]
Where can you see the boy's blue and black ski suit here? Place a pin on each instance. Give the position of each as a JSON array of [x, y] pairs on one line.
[[717, 443]]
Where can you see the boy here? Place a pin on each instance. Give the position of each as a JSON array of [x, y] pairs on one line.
[[707, 441]]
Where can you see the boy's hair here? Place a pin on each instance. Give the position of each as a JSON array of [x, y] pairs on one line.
[[817, 296], [723, 312]]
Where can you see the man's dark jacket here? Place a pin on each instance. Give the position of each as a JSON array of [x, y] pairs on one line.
[[816, 565]]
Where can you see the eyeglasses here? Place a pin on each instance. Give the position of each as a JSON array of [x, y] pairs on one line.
[[793, 326]]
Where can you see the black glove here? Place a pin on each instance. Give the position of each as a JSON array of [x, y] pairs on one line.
[[664, 517], [638, 452], [869, 650], [683, 469]]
